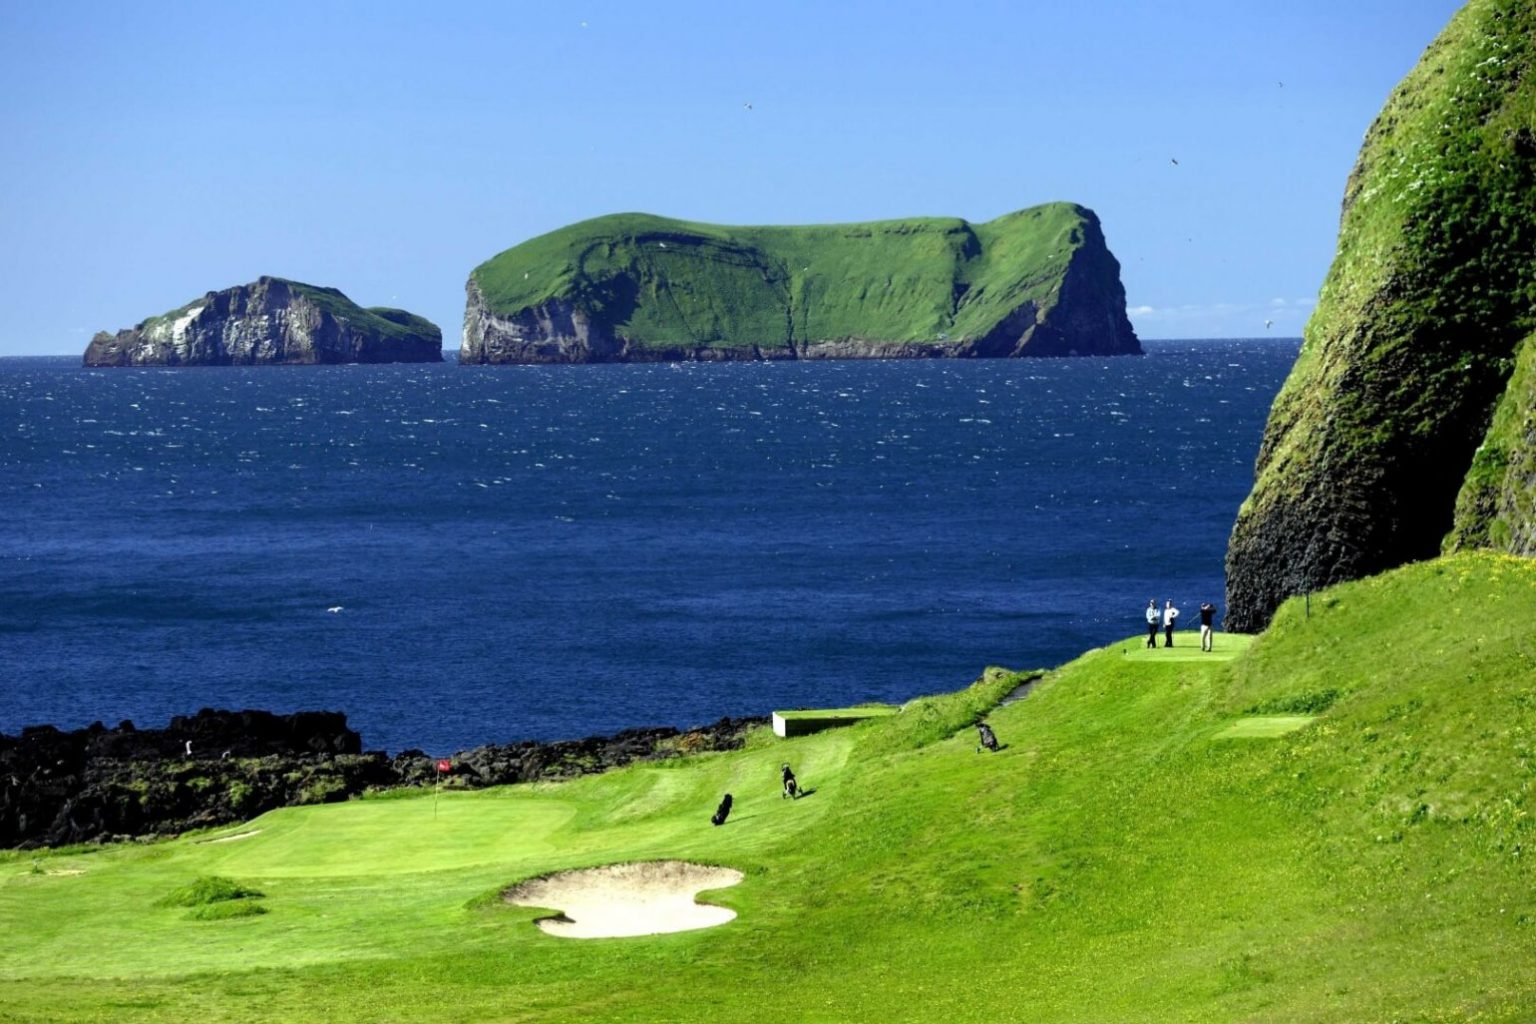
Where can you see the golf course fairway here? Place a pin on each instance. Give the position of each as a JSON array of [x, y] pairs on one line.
[[1116, 860]]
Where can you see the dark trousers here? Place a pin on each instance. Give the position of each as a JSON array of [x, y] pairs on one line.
[[1151, 634], [1168, 635]]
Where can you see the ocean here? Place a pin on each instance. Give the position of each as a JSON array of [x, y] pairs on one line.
[[455, 556]]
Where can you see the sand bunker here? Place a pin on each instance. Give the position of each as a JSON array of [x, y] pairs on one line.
[[627, 899]]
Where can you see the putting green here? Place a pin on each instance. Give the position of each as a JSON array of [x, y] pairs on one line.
[[372, 837], [1224, 647]]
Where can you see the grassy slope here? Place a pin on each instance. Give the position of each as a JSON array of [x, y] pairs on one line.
[[1431, 290], [396, 324], [670, 282], [1115, 862]]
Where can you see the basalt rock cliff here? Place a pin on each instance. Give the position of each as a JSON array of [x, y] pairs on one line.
[[271, 321], [1408, 424], [640, 288]]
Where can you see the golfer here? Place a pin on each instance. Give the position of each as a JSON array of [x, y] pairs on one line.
[[1207, 620]]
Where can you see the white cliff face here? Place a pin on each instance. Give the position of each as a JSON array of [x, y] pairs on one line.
[[269, 321], [555, 332]]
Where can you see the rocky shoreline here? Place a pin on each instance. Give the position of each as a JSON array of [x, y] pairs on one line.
[[101, 784]]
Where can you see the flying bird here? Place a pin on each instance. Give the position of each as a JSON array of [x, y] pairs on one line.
[[1268, 324], [747, 106], [335, 609], [1175, 162]]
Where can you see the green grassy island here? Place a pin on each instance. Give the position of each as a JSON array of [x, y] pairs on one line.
[[634, 287], [1329, 823]]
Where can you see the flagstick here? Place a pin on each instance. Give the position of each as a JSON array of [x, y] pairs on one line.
[[436, 790]]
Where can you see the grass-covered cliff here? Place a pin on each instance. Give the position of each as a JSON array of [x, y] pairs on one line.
[[1497, 504], [634, 286], [271, 320], [1415, 336], [1332, 823]]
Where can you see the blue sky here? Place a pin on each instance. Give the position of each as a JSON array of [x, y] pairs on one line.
[[155, 151]]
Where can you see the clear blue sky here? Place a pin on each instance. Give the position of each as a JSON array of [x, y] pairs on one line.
[[155, 151]]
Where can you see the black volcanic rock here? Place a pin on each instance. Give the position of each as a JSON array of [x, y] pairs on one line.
[[528, 761], [96, 783]]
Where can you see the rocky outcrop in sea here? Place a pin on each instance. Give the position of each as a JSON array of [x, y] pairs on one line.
[[271, 321]]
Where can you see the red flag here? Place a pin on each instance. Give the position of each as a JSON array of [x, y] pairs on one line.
[[444, 765]]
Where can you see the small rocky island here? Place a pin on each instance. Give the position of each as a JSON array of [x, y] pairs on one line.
[[639, 288], [271, 321]]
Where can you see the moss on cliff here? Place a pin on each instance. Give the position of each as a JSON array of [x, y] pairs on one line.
[[1414, 337], [662, 283], [1497, 504]]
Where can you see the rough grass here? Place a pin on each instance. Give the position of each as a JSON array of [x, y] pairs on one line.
[[206, 890], [1115, 862], [668, 282]]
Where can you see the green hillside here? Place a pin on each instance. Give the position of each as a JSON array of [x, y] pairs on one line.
[[1354, 850], [1415, 335], [663, 284]]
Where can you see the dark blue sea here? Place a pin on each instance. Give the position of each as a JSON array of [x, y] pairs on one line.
[[454, 556]]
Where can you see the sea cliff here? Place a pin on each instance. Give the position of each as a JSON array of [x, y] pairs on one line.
[[1404, 427], [271, 321], [640, 288]]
